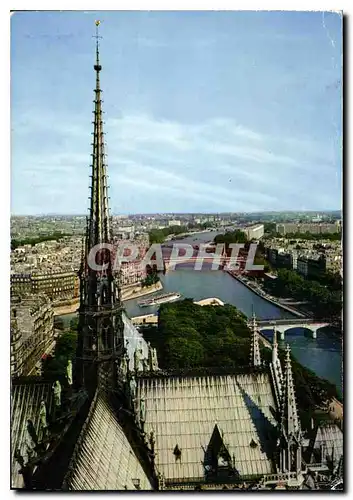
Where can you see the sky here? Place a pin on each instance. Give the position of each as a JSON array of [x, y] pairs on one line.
[[204, 111]]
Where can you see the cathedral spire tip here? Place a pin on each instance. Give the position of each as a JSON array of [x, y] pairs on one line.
[[97, 66]]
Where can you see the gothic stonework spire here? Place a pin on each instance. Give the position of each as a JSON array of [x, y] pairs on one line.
[[100, 339], [289, 420], [276, 368], [290, 432], [274, 345], [255, 359], [99, 227]]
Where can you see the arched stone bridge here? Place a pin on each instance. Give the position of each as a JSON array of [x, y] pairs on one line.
[[282, 325], [209, 258]]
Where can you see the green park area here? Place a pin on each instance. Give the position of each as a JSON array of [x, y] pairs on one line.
[[15, 243], [325, 298]]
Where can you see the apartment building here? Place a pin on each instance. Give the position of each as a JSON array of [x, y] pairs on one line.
[[312, 228], [174, 222], [132, 273], [311, 266], [254, 232], [32, 332], [56, 285]]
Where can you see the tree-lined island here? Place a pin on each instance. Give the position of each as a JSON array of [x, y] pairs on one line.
[[191, 338]]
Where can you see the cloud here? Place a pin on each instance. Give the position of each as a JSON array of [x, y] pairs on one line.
[[163, 165]]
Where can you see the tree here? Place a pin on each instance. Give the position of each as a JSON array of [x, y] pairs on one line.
[[66, 345], [54, 367], [151, 279], [37, 239], [270, 227], [74, 324], [184, 352], [236, 236], [325, 303]]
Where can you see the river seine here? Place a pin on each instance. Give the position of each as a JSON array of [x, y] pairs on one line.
[[322, 355]]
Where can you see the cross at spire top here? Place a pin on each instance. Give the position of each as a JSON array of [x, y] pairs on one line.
[[97, 66]]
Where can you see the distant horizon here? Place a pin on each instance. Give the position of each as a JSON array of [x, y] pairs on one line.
[[184, 213]]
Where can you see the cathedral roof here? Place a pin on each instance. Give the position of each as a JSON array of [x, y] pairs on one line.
[[25, 405], [191, 411], [330, 437], [103, 458]]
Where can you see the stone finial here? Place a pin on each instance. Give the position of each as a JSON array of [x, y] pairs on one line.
[[255, 359]]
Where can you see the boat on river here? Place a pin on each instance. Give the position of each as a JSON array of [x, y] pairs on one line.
[[161, 299]]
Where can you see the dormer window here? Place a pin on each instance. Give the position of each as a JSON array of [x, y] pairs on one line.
[[253, 443]]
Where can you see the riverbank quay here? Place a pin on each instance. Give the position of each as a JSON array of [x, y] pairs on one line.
[[264, 296], [128, 293], [152, 319], [67, 308], [212, 301], [138, 291], [147, 319], [173, 237]]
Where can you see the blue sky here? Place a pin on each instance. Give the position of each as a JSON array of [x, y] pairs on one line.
[[204, 111]]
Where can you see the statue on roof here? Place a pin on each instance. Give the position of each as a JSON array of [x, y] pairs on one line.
[[133, 388], [154, 359], [124, 366], [43, 418], [152, 356], [57, 393], [137, 359], [69, 372]]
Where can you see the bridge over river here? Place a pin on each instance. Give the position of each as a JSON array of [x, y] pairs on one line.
[[283, 325], [218, 261]]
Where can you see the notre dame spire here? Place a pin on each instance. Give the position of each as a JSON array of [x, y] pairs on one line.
[[100, 339], [99, 228]]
